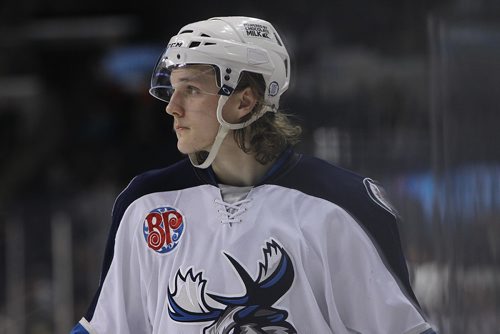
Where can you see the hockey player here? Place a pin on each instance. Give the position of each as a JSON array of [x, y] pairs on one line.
[[245, 235]]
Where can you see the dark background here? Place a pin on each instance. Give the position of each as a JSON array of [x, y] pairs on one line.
[[406, 92]]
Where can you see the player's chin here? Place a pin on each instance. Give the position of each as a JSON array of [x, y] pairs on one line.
[[182, 149], [185, 147]]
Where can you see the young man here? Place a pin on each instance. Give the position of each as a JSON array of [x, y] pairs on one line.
[[245, 235]]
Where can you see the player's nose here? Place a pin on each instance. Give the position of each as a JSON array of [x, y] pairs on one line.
[[174, 107]]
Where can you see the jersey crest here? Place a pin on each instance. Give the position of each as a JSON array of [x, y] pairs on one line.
[[163, 228], [251, 312]]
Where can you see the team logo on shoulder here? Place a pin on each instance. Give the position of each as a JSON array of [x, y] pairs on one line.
[[163, 228], [378, 195], [252, 311]]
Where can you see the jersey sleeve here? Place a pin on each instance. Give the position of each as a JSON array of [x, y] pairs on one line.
[[360, 290], [121, 303]]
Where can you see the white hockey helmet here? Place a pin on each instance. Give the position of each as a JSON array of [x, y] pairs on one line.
[[232, 45]]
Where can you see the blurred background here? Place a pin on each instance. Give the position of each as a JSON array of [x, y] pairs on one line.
[[406, 92]]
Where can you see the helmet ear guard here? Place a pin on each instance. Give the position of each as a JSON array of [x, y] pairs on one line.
[[232, 45]]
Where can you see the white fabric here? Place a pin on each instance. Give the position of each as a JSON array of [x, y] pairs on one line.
[[340, 283], [231, 194]]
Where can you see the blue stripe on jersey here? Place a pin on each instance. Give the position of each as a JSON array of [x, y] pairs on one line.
[[78, 329], [429, 331]]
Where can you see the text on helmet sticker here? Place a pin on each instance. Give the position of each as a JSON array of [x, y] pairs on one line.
[[256, 30]]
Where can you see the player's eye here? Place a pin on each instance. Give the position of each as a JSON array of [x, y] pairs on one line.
[[192, 90], [170, 91]]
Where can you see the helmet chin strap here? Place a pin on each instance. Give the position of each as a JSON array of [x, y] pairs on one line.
[[219, 138], [223, 131]]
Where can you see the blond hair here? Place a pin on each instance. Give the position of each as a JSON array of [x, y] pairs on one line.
[[269, 135]]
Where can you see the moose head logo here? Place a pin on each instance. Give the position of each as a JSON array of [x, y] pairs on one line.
[[250, 313]]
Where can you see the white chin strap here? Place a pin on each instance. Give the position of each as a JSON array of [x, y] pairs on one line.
[[221, 134]]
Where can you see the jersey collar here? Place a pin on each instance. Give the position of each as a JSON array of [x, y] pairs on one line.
[[287, 159]]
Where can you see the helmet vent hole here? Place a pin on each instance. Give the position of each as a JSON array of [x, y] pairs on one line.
[[286, 67], [194, 44], [186, 32], [204, 35], [209, 43]]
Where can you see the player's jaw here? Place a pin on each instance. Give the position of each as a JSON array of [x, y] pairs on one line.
[[194, 137], [195, 124]]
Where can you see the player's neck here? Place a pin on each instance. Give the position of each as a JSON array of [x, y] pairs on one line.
[[235, 167]]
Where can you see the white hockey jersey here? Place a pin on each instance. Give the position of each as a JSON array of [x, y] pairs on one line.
[[312, 249]]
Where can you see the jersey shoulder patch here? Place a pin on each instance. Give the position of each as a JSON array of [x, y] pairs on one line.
[[378, 195]]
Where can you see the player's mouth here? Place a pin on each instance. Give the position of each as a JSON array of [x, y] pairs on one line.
[[178, 128]]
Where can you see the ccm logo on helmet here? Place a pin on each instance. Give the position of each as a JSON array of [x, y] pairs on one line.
[[174, 45]]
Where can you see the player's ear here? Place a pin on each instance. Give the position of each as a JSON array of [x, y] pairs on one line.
[[241, 104], [247, 99]]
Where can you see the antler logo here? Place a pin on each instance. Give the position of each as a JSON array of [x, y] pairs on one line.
[[253, 312]]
